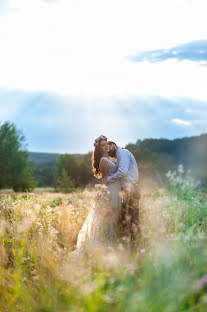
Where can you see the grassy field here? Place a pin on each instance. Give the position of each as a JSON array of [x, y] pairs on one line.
[[38, 231], [46, 189]]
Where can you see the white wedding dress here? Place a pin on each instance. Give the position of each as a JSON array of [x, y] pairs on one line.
[[99, 228]]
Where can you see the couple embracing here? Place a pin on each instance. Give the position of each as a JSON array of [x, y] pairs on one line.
[[115, 213]]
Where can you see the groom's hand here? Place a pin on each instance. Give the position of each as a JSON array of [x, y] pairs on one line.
[[129, 188]]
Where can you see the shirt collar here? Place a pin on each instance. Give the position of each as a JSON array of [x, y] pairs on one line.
[[118, 151]]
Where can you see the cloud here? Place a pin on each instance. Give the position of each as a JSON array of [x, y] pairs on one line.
[[181, 122], [6, 7], [4, 4], [54, 123], [188, 111], [195, 51], [50, 1], [79, 47]]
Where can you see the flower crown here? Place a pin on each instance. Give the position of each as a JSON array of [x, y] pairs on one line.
[[97, 141]]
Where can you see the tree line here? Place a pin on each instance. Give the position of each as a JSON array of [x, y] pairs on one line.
[[68, 171]]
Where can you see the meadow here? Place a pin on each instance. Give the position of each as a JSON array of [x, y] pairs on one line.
[[168, 273]]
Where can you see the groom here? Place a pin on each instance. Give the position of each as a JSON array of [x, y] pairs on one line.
[[128, 174]]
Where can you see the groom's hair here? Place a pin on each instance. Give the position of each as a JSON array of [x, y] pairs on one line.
[[111, 142]]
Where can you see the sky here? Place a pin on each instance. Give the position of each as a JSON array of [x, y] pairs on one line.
[[128, 69]]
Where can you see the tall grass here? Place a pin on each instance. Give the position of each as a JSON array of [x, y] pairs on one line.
[[168, 272]]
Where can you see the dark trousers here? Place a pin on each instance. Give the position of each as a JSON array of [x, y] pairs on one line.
[[129, 217]]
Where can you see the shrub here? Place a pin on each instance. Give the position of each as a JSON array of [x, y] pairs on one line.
[[64, 183], [180, 182]]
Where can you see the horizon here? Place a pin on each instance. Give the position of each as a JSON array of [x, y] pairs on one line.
[[178, 138]]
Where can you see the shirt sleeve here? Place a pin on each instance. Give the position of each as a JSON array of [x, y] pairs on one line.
[[123, 166]]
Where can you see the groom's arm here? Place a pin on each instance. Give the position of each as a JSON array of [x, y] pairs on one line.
[[123, 166]]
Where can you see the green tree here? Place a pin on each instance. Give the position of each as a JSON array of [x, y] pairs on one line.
[[16, 171], [64, 182], [67, 164], [44, 175], [85, 171]]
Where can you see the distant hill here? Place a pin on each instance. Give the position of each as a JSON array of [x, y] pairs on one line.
[[45, 159], [42, 159], [166, 155]]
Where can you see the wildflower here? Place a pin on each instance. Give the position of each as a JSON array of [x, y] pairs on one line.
[[35, 278], [180, 169], [204, 299], [125, 239], [107, 299], [120, 289], [201, 236], [198, 183], [24, 226], [142, 250], [87, 289], [131, 267], [111, 280], [202, 282]]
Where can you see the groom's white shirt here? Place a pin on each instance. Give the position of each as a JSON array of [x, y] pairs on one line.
[[127, 168]]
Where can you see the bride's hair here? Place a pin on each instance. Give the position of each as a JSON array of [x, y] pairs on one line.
[[96, 156]]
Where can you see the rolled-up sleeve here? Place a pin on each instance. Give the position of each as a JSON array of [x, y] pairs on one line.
[[123, 166]]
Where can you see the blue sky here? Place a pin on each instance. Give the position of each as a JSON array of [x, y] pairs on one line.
[[195, 51], [72, 70]]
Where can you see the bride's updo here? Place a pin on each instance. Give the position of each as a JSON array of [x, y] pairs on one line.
[[96, 156]]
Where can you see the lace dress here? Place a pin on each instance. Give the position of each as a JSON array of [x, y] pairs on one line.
[[100, 226]]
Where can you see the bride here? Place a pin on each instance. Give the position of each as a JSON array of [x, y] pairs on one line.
[[100, 226]]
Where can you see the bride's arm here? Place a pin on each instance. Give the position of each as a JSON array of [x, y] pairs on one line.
[[104, 170]]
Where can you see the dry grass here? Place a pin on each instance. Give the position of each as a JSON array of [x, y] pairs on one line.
[[38, 232]]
